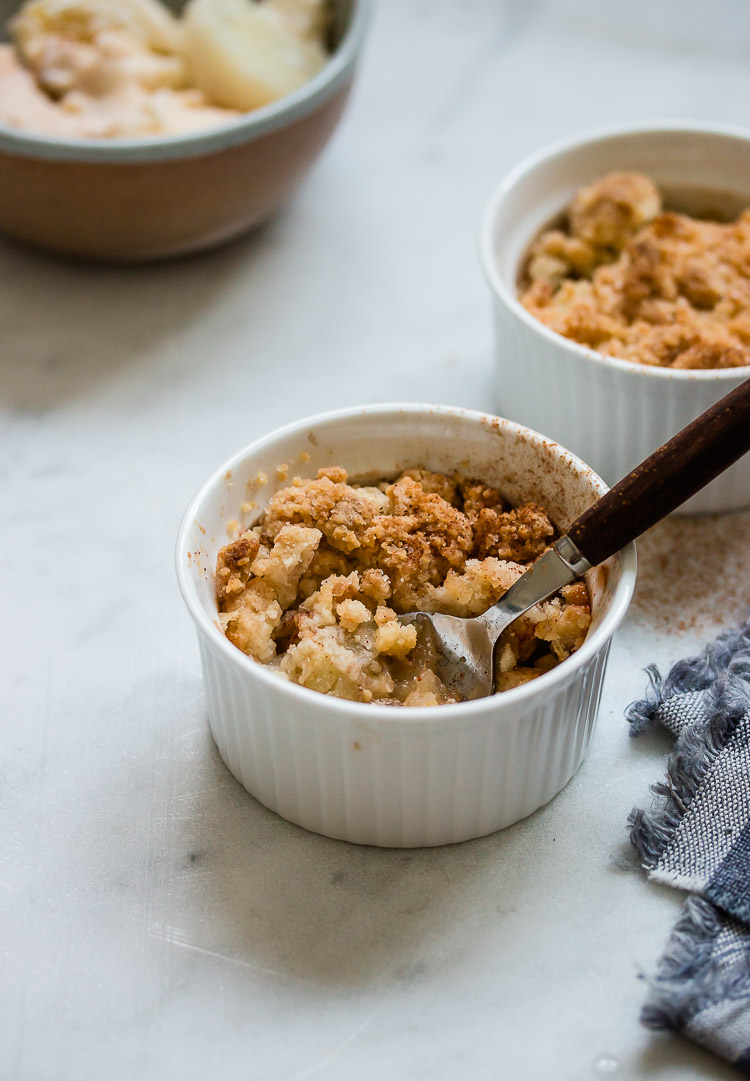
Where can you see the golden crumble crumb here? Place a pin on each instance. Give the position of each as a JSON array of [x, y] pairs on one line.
[[334, 473], [304, 456], [314, 589], [351, 613], [376, 585], [631, 280], [248, 506], [391, 636], [607, 213], [282, 471], [233, 528]]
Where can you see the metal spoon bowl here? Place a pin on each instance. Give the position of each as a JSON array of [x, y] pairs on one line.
[[465, 647]]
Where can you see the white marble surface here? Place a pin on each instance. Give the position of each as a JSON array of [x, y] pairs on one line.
[[159, 924]]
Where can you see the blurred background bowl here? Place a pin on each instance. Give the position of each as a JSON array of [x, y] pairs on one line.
[[611, 412], [132, 200]]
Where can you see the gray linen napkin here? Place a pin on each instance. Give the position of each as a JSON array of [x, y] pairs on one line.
[[696, 836]]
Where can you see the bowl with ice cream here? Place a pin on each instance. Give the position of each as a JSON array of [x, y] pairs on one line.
[[132, 131], [619, 267], [296, 560]]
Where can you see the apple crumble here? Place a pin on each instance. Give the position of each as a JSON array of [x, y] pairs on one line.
[[314, 589], [632, 280]]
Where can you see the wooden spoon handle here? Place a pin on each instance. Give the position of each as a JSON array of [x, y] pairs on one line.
[[668, 477]]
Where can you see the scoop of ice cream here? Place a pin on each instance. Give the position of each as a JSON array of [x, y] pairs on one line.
[[146, 21], [305, 18], [244, 55], [129, 110], [125, 68], [98, 47]]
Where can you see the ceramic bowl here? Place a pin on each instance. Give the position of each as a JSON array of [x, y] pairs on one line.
[[381, 775], [611, 412], [130, 200]]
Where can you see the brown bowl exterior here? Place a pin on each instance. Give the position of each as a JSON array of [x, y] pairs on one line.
[[131, 212]]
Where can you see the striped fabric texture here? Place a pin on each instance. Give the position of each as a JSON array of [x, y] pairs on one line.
[[696, 837]]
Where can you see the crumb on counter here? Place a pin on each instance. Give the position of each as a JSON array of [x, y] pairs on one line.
[[634, 281], [314, 589]]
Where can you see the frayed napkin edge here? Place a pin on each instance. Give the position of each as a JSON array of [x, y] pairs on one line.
[[690, 979], [722, 672]]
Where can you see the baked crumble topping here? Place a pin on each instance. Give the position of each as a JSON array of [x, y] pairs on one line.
[[315, 587], [632, 280]]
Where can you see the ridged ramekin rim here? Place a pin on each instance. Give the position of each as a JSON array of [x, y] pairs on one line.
[[332, 77], [548, 154], [477, 710]]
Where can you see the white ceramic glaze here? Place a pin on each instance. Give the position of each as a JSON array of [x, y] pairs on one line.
[[611, 412], [374, 774]]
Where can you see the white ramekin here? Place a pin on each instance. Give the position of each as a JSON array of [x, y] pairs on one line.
[[612, 413], [376, 774]]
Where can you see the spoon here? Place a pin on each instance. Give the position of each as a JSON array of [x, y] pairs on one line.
[[465, 646]]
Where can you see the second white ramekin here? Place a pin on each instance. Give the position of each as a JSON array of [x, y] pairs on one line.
[[377, 774], [610, 412]]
